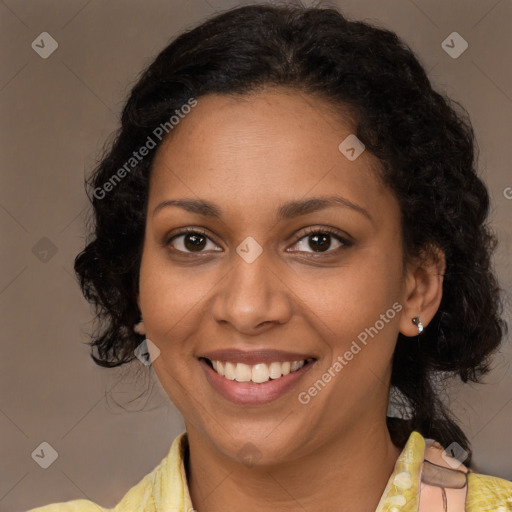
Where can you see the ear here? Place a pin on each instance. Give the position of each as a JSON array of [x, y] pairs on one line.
[[423, 289]]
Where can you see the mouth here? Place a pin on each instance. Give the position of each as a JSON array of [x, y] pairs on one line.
[[262, 378], [259, 373]]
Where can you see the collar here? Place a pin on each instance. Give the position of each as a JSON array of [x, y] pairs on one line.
[[402, 490], [400, 495]]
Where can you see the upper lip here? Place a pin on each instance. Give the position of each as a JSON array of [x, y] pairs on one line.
[[255, 356]]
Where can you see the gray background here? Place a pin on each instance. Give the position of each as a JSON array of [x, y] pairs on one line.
[[56, 114]]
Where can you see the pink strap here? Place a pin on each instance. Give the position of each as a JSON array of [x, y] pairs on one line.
[[444, 482]]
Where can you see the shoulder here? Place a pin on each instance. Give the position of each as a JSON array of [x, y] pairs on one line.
[[146, 496], [488, 494], [71, 506], [139, 497], [463, 489]]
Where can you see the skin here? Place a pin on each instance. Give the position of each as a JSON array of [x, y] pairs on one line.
[[248, 155]]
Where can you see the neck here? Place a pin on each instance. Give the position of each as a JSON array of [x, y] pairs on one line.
[[346, 473]]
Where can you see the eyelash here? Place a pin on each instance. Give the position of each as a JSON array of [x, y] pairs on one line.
[[308, 232]]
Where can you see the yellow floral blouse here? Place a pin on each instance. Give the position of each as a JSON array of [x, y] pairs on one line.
[[418, 472]]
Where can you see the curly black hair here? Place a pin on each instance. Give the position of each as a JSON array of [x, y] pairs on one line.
[[423, 140]]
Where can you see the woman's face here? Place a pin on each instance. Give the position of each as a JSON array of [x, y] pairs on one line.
[[295, 254]]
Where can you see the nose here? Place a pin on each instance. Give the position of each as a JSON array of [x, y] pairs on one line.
[[252, 297]]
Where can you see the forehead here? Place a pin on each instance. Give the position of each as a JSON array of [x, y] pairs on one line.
[[263, 148]]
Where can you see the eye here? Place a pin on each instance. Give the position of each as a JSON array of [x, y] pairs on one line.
[[192, 240], [320, 241], [315, 240]]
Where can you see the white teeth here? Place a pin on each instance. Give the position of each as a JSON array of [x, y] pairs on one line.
[[275, 370], [229, 370], [243, 372], [260, 373], [257, 373]]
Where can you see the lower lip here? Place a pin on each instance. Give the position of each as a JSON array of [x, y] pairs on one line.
[[249, 393]]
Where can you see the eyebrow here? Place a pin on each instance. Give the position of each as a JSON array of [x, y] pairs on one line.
[[285, 211]]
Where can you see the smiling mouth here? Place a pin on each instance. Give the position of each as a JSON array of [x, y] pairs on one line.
[[257, 373]]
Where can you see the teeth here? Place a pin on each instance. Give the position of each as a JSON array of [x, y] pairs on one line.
[[296, 365], [257, 373], [275, 370], [260, 373], [242, 372], [229, 370]]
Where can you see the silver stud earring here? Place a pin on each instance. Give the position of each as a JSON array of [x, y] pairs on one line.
[[139, 328], [416, 321]]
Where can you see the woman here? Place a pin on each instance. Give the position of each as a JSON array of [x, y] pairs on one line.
[[288, 226]]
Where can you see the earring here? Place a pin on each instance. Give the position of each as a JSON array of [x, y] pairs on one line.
[[139, 328], [416, 321]]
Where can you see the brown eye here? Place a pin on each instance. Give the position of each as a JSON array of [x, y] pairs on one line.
[[192, 241], [319, 242]]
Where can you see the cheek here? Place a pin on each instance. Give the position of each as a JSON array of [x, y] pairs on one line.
[[359, 303], [175, 380], [356, 294], [170, 302]]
